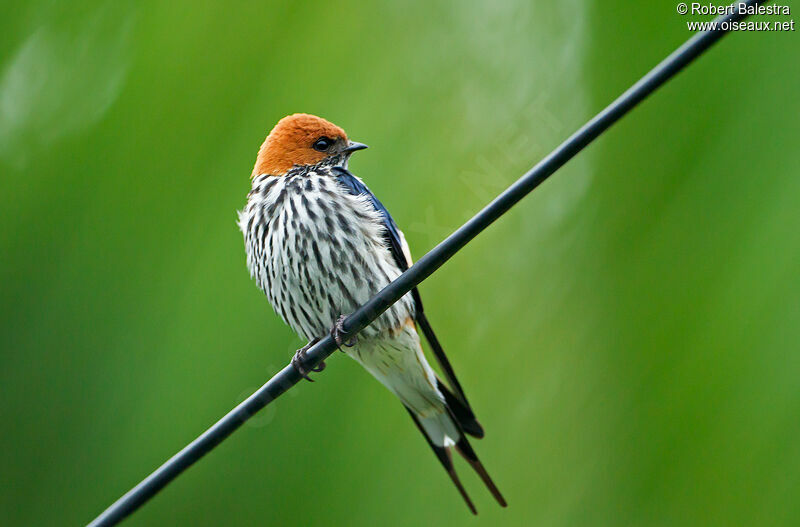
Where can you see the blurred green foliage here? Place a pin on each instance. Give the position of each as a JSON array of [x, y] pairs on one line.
[[628, 334]]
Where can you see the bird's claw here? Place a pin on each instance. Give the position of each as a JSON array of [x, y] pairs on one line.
[[338, 333], [299, 359]]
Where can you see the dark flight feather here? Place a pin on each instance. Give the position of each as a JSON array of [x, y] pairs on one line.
[[465, 449], [462, 414], [456, 402], [392, 234], [444, 457]]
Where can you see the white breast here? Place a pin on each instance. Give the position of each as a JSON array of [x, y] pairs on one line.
[[317, 251]]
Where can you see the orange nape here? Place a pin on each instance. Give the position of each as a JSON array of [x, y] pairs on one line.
[[290, 143]]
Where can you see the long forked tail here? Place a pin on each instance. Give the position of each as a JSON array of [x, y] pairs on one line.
[[450, 423]]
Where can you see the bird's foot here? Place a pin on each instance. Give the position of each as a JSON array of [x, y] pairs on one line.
[[338, 333], [299, 359]]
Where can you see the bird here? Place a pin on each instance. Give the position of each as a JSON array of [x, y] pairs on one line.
[[319, 244]]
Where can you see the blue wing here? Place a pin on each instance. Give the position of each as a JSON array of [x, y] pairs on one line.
[[392, 233], [395, 242]]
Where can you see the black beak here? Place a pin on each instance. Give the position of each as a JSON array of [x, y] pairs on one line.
[[352, 146]]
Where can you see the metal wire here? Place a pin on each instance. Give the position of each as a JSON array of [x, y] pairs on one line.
[[423, 268]]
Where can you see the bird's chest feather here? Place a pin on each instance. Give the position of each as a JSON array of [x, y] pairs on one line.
[[317, 251]]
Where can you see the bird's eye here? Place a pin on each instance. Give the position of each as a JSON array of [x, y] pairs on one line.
[[322, 144]]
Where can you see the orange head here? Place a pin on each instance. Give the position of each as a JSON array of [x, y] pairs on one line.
[[302, 139]]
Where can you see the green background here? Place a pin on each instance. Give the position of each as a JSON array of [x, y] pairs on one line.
[[628, 335]]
